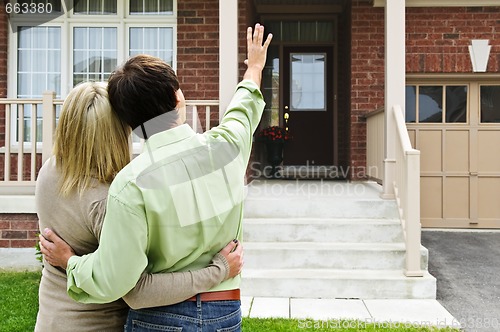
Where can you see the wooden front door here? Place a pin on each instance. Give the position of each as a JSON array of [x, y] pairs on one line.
[[308, 105]]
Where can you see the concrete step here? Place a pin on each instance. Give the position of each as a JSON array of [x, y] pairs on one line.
[[319, 207], [358, 230], [321, 255], [330, 283], [317, 199]]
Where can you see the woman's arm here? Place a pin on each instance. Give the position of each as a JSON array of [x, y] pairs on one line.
[[154, 290]]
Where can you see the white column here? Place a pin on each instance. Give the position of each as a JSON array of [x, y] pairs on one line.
[[395, 74], [228, 52]]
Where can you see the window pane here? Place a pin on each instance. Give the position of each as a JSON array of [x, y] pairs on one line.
[[24, 63], [54, 39], [430, 104], [456, 104], [275, 29], [109, 59], [290, 31], [24, 85], [151, 7], [54, 63], [325, 31], [411, 103], [38, 56], [97, 61], [95, 7], [80, 39], [153, 41], [24, 37], [109, 40], [307, 31], [95, 38], [490, 104], [308, 81], [40, 38]]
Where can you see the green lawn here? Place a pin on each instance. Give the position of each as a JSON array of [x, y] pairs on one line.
[[19, 305], [18, 301]]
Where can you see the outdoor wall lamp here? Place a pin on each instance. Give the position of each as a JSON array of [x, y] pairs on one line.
[[479, 54]]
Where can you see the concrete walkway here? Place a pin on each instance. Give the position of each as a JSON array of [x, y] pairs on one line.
[[387, 313]]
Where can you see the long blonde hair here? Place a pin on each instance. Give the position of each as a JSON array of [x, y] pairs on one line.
[[91, 143]]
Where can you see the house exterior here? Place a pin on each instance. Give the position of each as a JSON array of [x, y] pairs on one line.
[[331, 66]]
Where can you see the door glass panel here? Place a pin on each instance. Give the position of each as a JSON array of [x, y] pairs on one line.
[[270, 87], [456, 104], [308, 82], [411, 102], [490, 104], [430, 104]]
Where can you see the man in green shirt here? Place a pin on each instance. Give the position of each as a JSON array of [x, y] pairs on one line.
[[176, 204]]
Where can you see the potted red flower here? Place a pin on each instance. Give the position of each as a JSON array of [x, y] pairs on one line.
[[274, 137]]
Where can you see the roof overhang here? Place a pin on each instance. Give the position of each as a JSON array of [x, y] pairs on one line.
[[443, 3]]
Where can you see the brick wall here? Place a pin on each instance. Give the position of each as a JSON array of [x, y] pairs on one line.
[[344, 90], [367, 77], [18, 230], [437, 39], [198, 52]]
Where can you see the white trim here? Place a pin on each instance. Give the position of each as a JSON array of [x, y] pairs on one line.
[[17, 204], [443, 3], [228, 52], [394, 84]]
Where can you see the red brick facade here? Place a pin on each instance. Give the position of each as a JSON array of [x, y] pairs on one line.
[[18, 230], [437, 41], [367, 76]]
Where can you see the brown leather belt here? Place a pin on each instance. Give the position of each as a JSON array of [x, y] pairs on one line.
[[229, 295]]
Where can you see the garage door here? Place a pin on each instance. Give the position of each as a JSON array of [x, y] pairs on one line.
[[456, 126]]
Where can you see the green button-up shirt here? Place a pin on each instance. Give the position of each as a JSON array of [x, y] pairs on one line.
[[174, 206]]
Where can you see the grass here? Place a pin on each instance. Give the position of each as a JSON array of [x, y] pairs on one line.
[[19, 306], [18, 301]]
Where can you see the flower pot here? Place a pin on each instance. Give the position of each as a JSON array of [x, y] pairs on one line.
[[274, 155]]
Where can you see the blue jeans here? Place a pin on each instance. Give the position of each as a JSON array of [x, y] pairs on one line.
[[216, 316]]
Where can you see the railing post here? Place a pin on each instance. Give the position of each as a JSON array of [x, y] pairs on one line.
[[413, 226], [48, 123], [394, 84]]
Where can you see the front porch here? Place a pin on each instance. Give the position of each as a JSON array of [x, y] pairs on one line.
[[327, 239]]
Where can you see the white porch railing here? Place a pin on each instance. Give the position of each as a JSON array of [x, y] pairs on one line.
[[407, 180], [20, 159]]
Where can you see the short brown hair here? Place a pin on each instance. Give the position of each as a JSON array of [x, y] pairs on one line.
[[143, 88]]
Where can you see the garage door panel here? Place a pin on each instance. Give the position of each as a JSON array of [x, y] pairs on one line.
[[488, 197], [456, 197], [431, 193], [430, 146], [456, 152], [488, 151], [412, 134]]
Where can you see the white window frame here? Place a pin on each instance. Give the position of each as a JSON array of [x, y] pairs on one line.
[[67, 21]]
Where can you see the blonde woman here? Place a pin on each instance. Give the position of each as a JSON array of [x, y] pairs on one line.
[[91, 147]]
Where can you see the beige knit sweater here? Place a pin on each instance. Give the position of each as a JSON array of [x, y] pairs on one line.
[[77, 219]]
